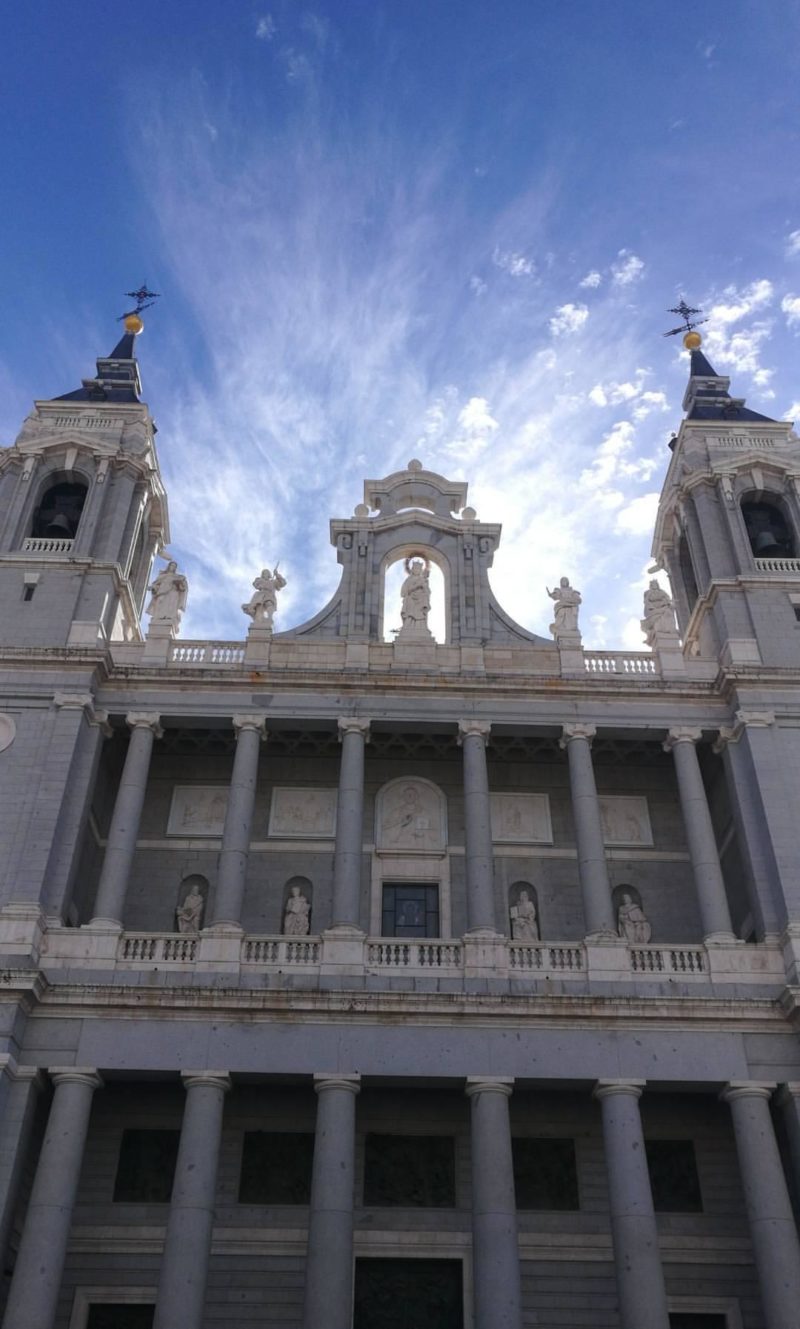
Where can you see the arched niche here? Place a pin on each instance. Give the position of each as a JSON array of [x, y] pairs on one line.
[[768, 525], [393, 572], [297, 908], [192, 903], [525, 922], [411, 817], [57, 513]]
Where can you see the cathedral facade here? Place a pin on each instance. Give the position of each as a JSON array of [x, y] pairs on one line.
[[354, 983]]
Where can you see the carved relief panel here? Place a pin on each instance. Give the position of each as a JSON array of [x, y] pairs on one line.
[[521, 819], [304, 814], [411, 818], [198, 810], [626, 820]]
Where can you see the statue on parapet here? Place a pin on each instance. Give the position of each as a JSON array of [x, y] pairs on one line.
[[168, 595], [297, 913], [568, 601], [263, 603], [524, 924], [632, 922], [415, 597], [189, 915], [659, 613]]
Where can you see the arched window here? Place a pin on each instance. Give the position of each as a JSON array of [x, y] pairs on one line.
[[59, 511], [687, 573], [768, 530]]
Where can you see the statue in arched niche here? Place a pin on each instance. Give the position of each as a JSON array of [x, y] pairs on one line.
[[296, 913], [415, 594]]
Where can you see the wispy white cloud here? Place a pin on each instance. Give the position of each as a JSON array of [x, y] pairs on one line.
[[628, 268], [790, 304], [740, 348], [514, 263], [638, 517], [793, 244], [591, 281], [568, 318], [266, 28], [792, 412]]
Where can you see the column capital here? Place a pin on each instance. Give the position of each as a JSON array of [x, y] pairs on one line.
[[489, 1084], [683, 733], [747, 1089], [478, 728], [323, 1082], [731, 733], [84, 701], [215, 1079], [352, 724], [255, 720], [75, 1075], [607, 1088], [145, 720], [9, 1067], [577, 730]]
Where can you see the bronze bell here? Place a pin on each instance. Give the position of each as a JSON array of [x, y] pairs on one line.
[[60, 527]]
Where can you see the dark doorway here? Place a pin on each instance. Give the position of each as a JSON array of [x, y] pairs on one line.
[[696, 1320], [409, 1294]]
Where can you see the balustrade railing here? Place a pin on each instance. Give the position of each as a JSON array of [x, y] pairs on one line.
[[670, 960], [527, 956], [206, 653], [778, 564], [414, 954], [619, 662], [160, 949], [281, 950], [44, 544]]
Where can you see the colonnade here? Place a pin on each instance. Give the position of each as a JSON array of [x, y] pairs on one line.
[[497, 1294], [473, 737]]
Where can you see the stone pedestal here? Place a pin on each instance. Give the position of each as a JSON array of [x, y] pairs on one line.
[[256, 649], [667, 652], [413, 654], [157, 643], [570, 654]]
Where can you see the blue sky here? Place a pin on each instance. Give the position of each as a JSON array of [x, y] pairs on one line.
[[421, 228]]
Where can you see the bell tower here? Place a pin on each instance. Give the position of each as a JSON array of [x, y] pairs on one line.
[[83, 511], [728, 526]]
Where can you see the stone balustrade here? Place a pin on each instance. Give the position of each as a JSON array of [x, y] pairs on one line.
[[620, 662], [778, 565], [45, 544], [594, 961], [212, 654]]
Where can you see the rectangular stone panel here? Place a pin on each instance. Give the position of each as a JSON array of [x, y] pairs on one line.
[[303, 814], [521, 819], [626, 819], [198, 810]]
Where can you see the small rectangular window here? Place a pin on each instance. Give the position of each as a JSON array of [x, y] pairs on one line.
[[545, 1173], [410, 1170], [120, 1315], [28, 592], [673, 1176], [146, 1167], [276, 1168], [410, 910]]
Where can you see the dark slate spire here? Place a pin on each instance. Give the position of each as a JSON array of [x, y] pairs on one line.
[[118, 379], [707, 395]]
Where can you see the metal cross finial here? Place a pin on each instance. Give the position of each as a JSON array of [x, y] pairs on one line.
[[685, 312], [144, 299]]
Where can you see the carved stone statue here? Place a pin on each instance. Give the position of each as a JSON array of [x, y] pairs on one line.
[[632, 923], [262, 605], [567, 601], [168, 597], [297, 913], [524, 926], [189, 915], [415, 594], [659, 613]]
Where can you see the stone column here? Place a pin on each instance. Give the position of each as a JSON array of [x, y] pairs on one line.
[[637, 1260], [231, 879], [110, 903], [706, 869], [598, 906], [19, 1092], [751, 823], [353, 735], [33, 1295], [788, 1097], [187, 1246], [74, 812], [473, 736], [495, 1247], [329, 1262], [772, 1230]]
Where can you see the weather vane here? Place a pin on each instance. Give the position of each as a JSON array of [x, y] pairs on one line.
[[144, 299], [685, 311]]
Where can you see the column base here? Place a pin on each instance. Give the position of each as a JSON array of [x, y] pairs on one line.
[[256, 650], [220, 948], [608, 958], [108, 925], [485, 954]]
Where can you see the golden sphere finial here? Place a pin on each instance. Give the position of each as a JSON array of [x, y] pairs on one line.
[[692, 341], [133, 324]]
